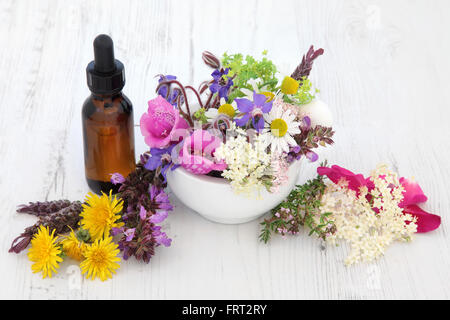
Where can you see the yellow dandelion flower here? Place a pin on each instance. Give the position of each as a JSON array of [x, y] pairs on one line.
[[44, 252], [73, 247], [100, 214], [100, 259], [289, 86]]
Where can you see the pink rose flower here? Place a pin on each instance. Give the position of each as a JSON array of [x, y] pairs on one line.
[[197, 153], [412, 195], [162, 125]]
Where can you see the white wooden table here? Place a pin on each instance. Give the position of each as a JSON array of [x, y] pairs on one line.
[[385, 74]]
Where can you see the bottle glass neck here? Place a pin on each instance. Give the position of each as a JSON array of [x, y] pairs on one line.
[[103, 97]]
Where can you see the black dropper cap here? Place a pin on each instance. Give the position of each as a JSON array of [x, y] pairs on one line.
[[105, 75]]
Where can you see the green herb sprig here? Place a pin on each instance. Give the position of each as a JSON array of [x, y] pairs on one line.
[[301, 208], [245, 69]]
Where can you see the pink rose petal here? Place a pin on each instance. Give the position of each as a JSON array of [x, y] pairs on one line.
[[426, 222], [413, 193], [336, 173]]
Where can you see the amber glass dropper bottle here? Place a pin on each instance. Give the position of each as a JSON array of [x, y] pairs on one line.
[[107, 116]]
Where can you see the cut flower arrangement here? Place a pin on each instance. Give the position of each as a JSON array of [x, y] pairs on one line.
[[240, 135]]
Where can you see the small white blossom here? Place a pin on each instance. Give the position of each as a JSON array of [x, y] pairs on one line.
[[248, 163], [368, 231]]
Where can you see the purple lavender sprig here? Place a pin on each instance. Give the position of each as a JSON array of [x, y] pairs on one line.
[[44, 208], [60, 221], [141, 235], [145, 205], [304, 68]]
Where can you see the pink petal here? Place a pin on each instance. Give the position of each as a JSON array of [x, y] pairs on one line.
[[162, 124], [413, 193], [336, 173], [426, 222]]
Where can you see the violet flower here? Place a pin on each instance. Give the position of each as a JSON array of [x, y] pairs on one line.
[[162, 204], [172, 96], [161, 158], [219, 84], [160, 200], [142, 213], [117, 178], [161, 237], [253, 110], [129, 233], [294, 154], [312, 156]]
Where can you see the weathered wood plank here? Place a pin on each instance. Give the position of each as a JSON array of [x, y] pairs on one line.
[[384, 74]]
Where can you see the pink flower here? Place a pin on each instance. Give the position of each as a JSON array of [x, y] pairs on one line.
[[355, 181], [412, 195], [162, 125], [197, 154]]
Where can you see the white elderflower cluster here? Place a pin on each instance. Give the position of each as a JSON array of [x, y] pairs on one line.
[[248, 163], [370, 221]]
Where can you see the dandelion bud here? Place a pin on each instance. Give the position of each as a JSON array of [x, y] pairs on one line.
[[211, 60]]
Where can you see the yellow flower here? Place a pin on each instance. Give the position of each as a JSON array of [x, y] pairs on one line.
[[289, 86], [279, 127], [100, 214], [73, 247], [270, 96], [227, 109], [44, 252], [100, 259]]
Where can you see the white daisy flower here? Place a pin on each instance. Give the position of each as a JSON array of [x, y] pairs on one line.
[[225, 108], [280, 127]]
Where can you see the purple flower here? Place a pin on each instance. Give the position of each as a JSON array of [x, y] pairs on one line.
[[142, 213], [117, 178], [312, 156], [219, 84], [294, 154], [173, 95], [159, 197], [116, 231], [159, 216], [129, 233], [141, 236], [161, 205], [161, 158], [161, 237], [306, 123], [253, 110]]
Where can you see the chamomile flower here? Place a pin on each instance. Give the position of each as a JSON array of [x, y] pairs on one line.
[[280, 127], [289, 85], [225, 108]]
